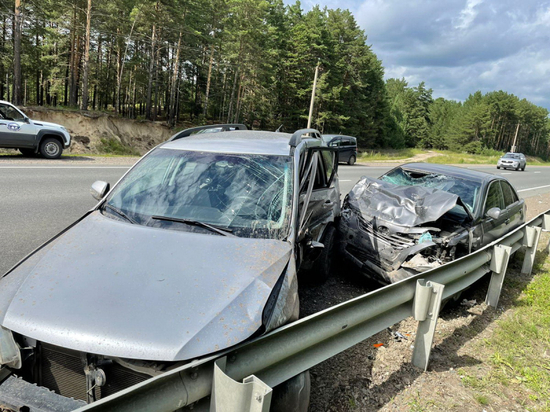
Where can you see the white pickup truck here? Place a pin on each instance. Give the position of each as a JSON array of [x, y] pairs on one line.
[[31, 137]]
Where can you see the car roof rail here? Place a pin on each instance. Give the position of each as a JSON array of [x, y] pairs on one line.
[[297, 136], [225, 127]]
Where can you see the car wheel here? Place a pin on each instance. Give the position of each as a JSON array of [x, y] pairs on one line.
[[352, 160], [51, 148], [498, 167], [292, 395], [517, 168], [323, 265], [523, 169], [27, 152]]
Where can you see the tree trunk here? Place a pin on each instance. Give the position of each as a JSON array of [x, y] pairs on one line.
[[149, 101], [84, 105], [208, 79], [175, 75], [17, 77], [73, 94]]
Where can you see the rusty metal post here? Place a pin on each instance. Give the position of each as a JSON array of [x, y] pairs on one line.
[[499, 264], [426, 307], [530, 241], [230, 396]]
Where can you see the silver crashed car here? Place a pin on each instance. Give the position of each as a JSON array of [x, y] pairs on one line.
[[196, 249]]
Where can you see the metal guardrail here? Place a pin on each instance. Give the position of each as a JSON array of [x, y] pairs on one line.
[[278, 356]]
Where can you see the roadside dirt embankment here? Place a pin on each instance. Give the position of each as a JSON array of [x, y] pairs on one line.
[[88, 129]]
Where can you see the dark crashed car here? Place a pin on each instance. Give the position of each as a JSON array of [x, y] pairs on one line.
[[419, 216]]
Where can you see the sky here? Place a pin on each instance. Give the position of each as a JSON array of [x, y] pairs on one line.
[[459, 46]]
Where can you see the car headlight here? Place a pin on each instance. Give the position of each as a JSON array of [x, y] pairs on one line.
[[10, 354]]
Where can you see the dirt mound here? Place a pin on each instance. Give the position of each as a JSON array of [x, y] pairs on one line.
[[87, 130]]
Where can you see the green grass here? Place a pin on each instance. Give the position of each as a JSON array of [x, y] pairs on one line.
[[520, 348], [114, 147], [371, 155], [447, 157]]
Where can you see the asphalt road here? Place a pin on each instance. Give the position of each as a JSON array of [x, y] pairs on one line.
[[37, 202]]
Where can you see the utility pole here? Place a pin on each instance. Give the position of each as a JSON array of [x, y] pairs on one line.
[[313, 94], [17, 95], [515, 139]]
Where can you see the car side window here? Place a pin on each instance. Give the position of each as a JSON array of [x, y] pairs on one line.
[[329, 160], [346, 142], [494, 197], [509, 194]]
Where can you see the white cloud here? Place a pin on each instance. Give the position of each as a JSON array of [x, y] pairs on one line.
[[468, 14]]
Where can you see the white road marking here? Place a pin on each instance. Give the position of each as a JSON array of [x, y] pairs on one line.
[[345, 180], [536, 172], [533, 188], [65, 167], [506, 173]]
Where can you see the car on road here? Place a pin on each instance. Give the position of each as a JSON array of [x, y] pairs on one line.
[[418, 216], [31, 137], [516, 161], [346, 146], [196, 249]]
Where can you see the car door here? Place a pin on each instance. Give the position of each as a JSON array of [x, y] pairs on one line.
[[514, 206], [15, 129], [319, 201], [494, 228], [345, 150]]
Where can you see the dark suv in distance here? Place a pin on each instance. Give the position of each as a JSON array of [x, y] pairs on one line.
[[346, 145]]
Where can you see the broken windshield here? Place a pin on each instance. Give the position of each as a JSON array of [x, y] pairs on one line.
[[249, 195], [467, 190]]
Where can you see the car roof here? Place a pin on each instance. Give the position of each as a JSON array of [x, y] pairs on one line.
[[459, 172], [237, 141]]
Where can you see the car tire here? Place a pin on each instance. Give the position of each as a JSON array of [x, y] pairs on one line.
[[498, 167], [352, 160], [292, 395], [28, 152], [517, 168], [50, 148], [322, 267], [523, 169]]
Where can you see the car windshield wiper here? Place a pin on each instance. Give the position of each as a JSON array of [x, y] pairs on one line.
[[225, 231], [119, 212]]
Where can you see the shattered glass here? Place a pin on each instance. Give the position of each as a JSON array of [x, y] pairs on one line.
[[249, 195]]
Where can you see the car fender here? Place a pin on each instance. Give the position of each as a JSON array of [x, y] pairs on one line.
[[44, 133]]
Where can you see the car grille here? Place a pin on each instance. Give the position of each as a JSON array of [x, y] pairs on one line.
[[394, 240], [63, 372]]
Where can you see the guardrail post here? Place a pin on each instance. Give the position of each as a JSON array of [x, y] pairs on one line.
[[426, 306], [530, 241], [230, 396], [499, 264], [546, 228]]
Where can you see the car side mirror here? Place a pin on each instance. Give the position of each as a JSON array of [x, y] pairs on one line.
[[99, 189], [493, 212], [314, 249]]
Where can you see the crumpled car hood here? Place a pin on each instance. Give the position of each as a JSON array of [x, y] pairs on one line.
[[401, 205], [121, 290]]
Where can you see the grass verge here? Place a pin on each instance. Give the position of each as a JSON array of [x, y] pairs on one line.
[[371, 155], [520, 350]]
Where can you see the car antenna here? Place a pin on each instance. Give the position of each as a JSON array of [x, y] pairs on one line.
[[279, 129]]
